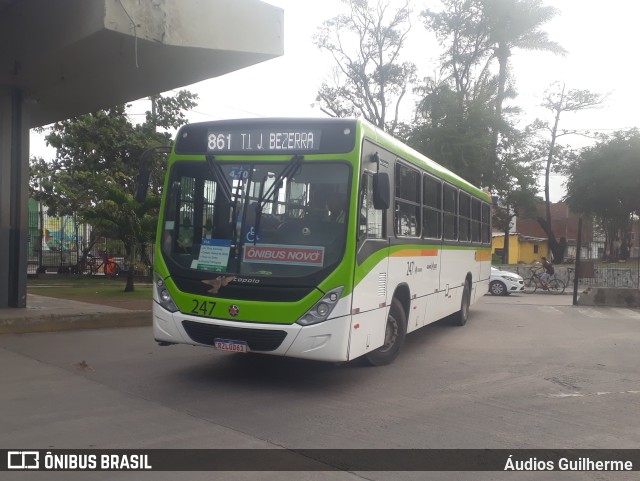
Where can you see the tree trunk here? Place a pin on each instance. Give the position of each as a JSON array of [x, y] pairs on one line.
[[131, 260], [81, 263], [503, 54], [129, 287], [556, 250], [505, 250]]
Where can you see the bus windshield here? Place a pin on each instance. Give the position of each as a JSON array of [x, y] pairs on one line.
[[258, 218]]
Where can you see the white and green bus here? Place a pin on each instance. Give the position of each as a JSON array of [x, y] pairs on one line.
[[323, 239]]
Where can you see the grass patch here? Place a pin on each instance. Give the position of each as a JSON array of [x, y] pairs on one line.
[[98, 289]]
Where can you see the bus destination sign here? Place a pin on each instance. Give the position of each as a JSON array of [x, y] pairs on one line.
[[263, 140]]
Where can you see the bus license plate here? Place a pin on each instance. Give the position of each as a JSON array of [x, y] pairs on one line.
[[230, 345]]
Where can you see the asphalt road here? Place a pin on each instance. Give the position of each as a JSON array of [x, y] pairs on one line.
[[527, 371]]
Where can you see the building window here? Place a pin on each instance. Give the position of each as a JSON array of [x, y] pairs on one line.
[[535, 248]]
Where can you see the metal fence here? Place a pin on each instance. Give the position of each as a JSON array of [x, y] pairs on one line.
[[592, 273], [56, 244], [605, 274]]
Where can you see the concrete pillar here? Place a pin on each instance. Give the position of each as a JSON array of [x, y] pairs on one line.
[[14, 196]]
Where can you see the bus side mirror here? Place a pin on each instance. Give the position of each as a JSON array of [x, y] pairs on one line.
[[381, 191]]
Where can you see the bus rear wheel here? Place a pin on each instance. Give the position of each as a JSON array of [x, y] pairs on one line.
[[395, 332], [460, 318]]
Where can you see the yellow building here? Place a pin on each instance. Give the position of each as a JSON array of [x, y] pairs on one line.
[[522, 249]]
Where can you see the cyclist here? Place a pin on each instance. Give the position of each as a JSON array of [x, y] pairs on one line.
[[548, 272]]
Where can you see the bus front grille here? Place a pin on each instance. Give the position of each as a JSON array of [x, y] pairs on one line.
[[257, 339]]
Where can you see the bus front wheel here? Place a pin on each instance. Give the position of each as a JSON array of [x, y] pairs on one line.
[[395, 332]]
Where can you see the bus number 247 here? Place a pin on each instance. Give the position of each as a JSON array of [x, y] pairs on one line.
[[202, 308]]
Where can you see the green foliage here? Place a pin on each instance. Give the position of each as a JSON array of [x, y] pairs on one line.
[[101, 150], [120, 216], [170, 111], [515, 179], [460, 120], [461, 29], [94, 174], [517, 24], [455, 133], [604, 182]]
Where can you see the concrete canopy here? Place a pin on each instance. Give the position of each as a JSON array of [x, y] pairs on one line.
[[70, 57], [63, 58]]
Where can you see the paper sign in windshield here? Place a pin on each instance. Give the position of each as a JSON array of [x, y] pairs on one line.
[[279, 254], [214, 255]]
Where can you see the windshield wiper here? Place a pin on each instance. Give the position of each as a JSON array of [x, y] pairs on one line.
[[219, 177], [245, 211], [289, 170]]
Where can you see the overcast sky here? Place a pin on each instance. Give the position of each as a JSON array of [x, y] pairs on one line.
[[600, 36]]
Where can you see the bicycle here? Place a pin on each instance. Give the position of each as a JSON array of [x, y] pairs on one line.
[[533, 283], [106, 265]]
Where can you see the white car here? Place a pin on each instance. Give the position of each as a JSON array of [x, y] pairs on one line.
[[503, 283]]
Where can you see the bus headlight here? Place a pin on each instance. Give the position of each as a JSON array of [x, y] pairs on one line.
[[164, 298], [321, 309]]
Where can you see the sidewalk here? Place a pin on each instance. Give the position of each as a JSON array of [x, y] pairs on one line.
[[51, 314]]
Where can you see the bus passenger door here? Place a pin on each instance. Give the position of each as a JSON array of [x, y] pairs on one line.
[[369, 309]]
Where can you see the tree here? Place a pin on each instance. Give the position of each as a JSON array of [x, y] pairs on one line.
[[455, 117], [477, 35], [461, 139], [515, 24], [516, 186], [460, 117], [558, 100], [461, 29], [120, 216], [455, 134], [100, 153], [604, 182], [368, 79]]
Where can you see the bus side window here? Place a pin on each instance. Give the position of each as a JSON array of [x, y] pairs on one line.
[[184, 228], [450, 207], [370, 219], [464, 216], [476, 221], [486, 223], [432, 208], [408, 201]]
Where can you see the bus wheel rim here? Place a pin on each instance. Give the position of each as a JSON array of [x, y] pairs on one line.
[[391, 334]]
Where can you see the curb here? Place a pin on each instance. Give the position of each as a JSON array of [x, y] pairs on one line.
[[54, 323]]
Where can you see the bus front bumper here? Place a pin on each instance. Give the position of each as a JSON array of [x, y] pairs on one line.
[[326, 341]]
